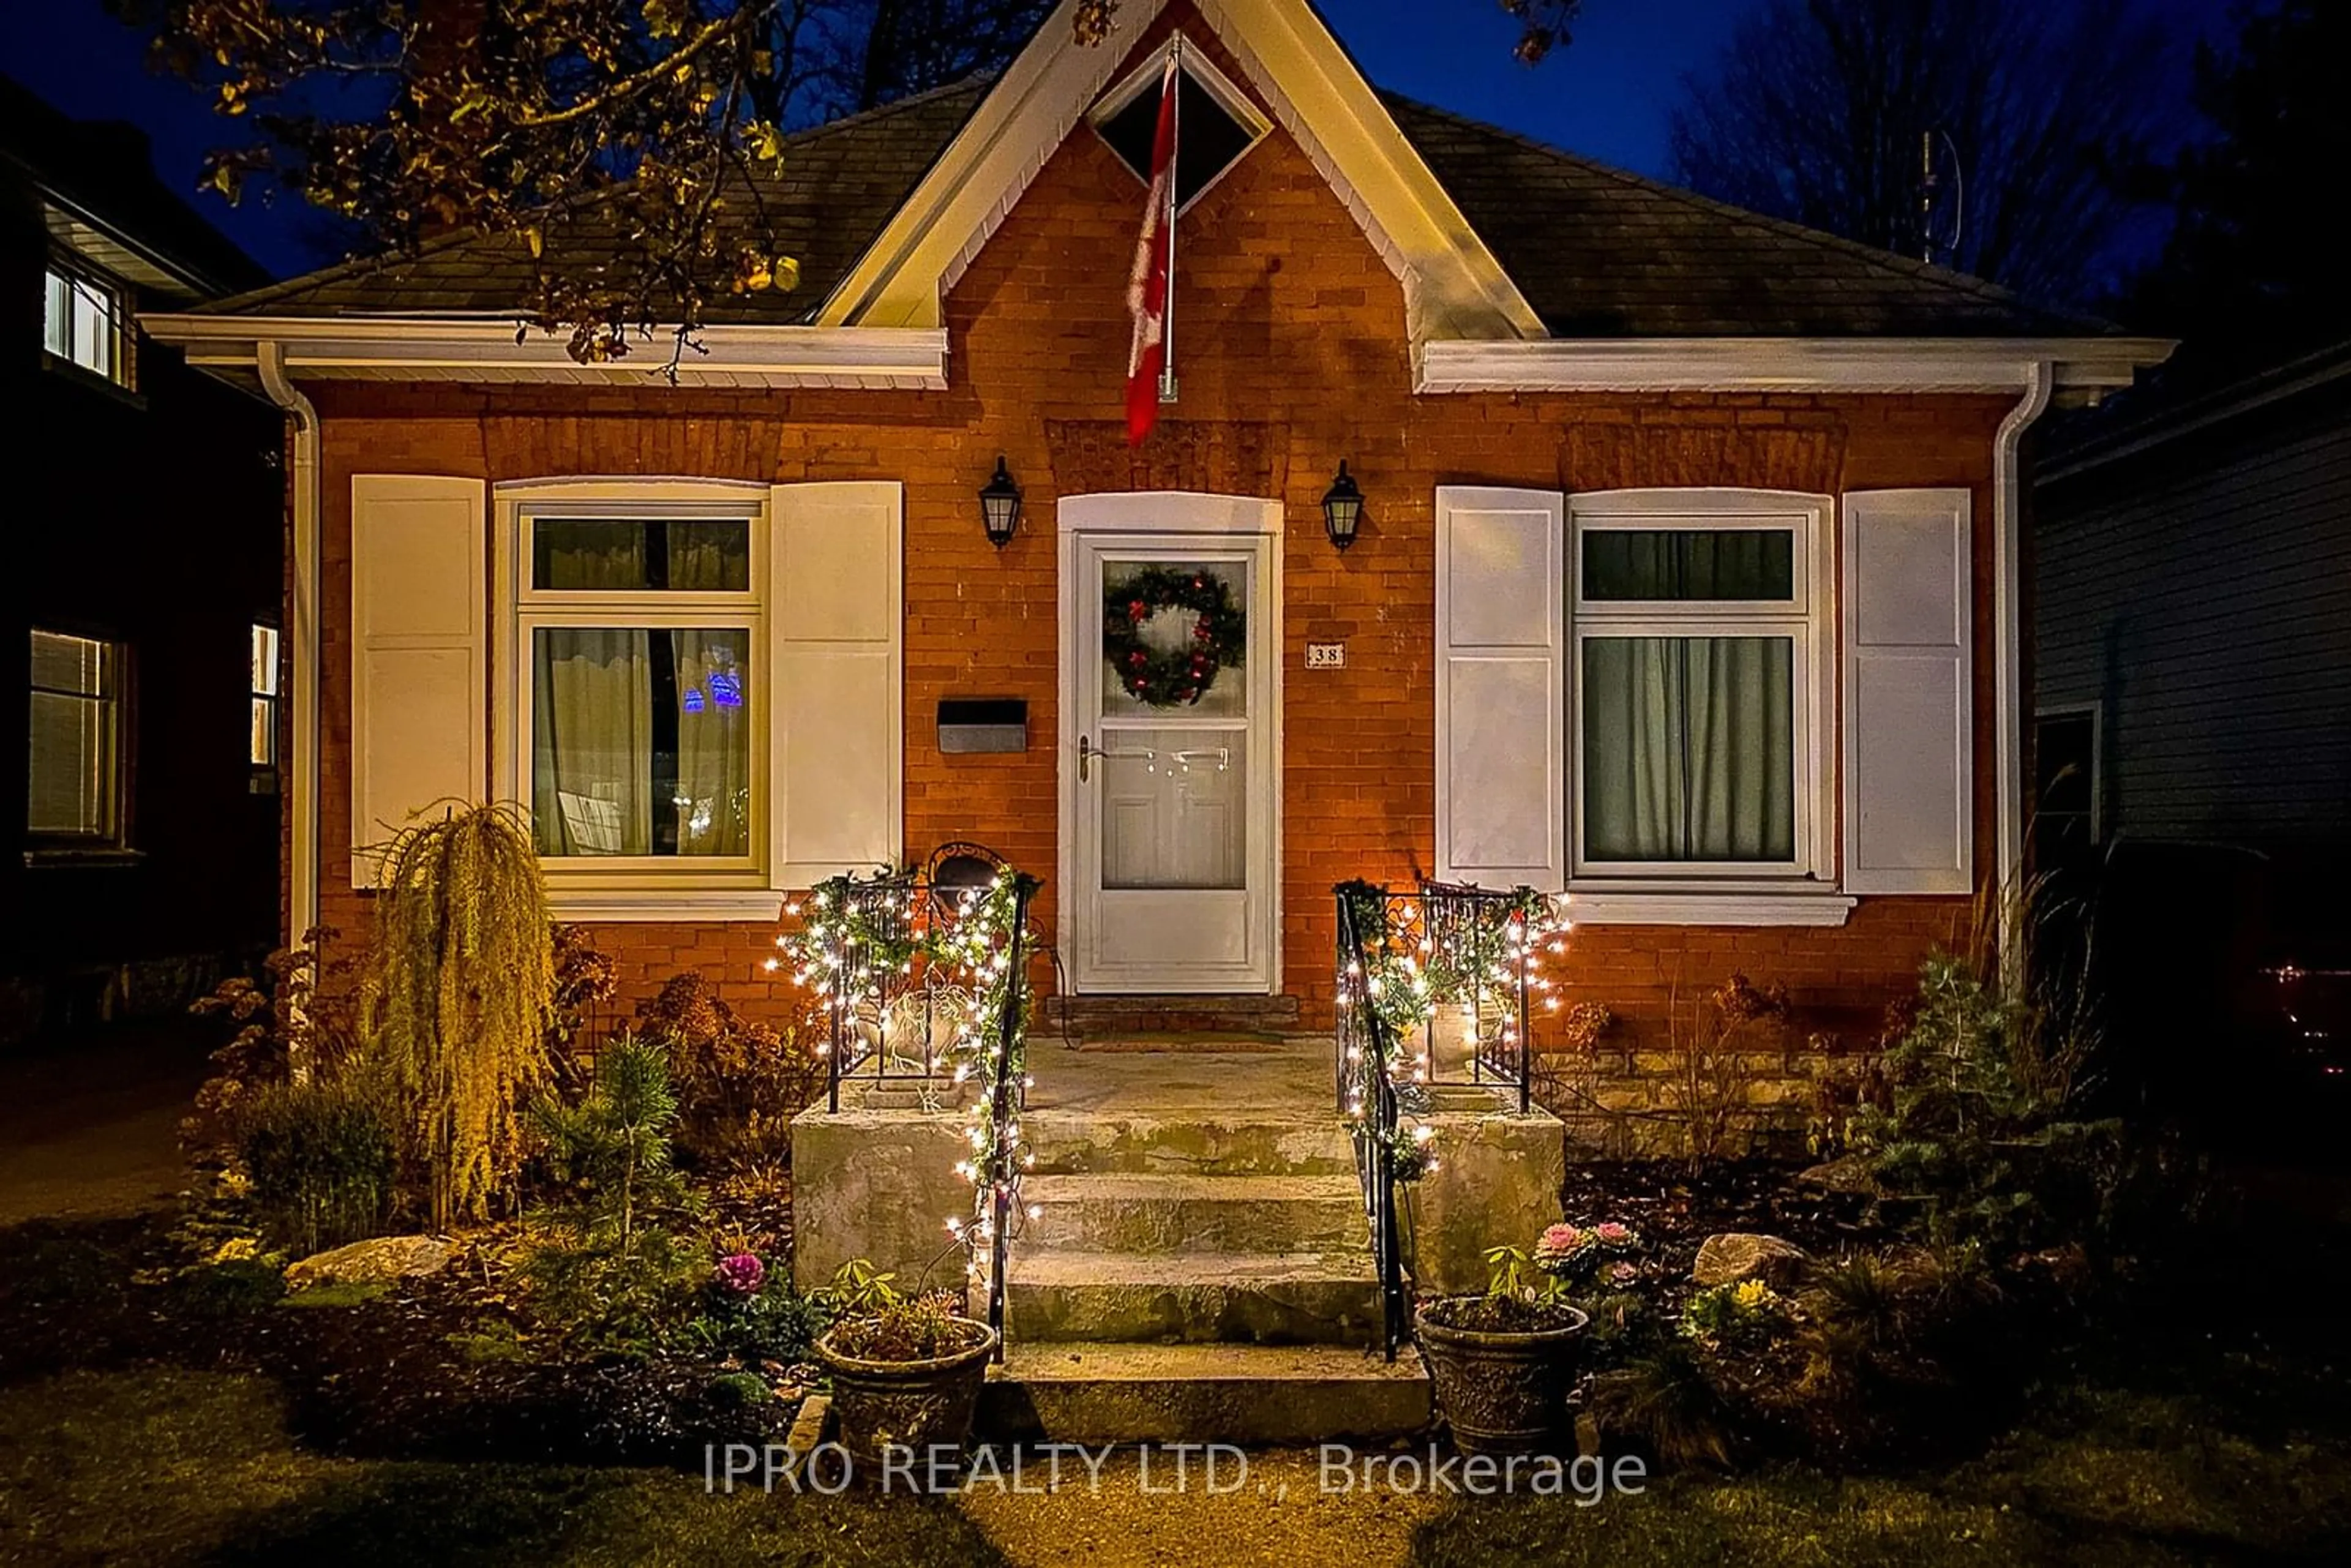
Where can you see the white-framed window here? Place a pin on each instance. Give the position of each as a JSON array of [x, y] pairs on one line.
[[636, 681], [1698, 655], [74, 750], [2065, 806], [84, 322]]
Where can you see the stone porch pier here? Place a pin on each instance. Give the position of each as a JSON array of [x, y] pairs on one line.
[[1199, 1267]]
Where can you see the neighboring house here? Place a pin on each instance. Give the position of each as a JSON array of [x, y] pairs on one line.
[[2192, 697], [140, 614], [1687, 581]]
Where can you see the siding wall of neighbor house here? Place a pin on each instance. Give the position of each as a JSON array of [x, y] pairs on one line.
[[155, 522], [1291, 346], [2202, 595]]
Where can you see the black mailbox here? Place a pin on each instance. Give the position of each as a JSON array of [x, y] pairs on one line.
[[983, 724]]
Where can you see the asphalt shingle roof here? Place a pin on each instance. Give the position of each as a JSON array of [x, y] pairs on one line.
[[1598, 253]]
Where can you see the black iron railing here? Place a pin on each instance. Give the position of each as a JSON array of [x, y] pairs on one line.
[[1006, 1095], [1368, 1073], [923, 976]]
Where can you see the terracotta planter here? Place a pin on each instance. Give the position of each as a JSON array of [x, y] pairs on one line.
[[1500, 1393], [905, 1404]]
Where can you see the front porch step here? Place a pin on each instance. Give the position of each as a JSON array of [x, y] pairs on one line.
[[1166, 1214], [1263, 1394], [1093, 1018], [1207, 1141], [1192, 1298]]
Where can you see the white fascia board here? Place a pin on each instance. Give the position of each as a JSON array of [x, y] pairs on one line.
[[1784, 364], [427, 349]]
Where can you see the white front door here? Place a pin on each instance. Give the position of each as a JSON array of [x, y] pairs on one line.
[[1170, 794]]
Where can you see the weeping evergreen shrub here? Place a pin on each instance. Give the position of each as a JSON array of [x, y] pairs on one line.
[[456, 1000]]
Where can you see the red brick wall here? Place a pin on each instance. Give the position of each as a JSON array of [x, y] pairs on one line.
[[1292, 353]]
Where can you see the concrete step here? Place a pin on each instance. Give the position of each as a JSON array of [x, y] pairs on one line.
[[1192, 1298], [1259, 1395], [1093, 1018], [1207, 1141], [1113, 1212]]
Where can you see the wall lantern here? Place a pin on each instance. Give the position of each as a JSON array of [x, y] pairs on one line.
[[1000, 506], [1342, 508]]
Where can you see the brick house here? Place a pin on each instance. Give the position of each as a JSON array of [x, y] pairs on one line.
[[1687, 578], [139, 609]]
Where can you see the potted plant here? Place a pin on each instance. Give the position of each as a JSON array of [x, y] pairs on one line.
[[1503, 1362], [906, 1370]]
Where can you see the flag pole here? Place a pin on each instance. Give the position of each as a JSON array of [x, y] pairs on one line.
[[1175, 163]]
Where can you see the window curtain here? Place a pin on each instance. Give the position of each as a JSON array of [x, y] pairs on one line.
[[641, 742], [592, 742], [1689, 748], [714, 742], [1688, 563]]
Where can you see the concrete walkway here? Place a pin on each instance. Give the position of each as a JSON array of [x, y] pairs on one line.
[[89, 1126]]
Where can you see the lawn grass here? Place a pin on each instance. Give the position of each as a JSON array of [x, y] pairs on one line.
[[2106, 1479], [168, 1467]]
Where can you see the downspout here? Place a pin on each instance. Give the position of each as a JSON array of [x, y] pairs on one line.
[[2008, 651], [302, 614]]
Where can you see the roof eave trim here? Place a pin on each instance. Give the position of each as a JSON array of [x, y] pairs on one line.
[[1784, 364], [426, 349]]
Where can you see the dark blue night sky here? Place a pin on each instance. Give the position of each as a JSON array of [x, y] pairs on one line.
[[1607, 97]]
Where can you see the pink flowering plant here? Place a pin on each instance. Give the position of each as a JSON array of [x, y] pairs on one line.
[[740, 1273], [1583, 1258]]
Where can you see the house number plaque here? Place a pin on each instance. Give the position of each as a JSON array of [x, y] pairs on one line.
[[1326, 656]]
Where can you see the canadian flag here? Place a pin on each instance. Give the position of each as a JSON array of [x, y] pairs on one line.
[[1147, 289]]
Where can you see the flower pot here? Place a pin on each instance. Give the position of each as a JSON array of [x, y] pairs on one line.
[[905, 1404], [1501, 1391]]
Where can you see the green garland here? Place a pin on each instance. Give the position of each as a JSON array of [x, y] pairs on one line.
[[1172, 677]]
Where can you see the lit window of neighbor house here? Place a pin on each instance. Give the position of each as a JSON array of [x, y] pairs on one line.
[[266, 694], [85, 322], [74, 798]]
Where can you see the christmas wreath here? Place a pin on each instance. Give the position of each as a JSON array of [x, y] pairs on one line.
[[1167, 677]]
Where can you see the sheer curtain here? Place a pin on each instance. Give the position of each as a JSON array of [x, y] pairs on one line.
[[592, 741], [1689, 748], [640, 738]]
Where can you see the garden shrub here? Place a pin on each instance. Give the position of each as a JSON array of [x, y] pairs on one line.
[[298, 1015], [319, 1159], [739, 1081], [609, 1275]]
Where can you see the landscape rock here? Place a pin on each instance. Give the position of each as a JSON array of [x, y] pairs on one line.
[[1732, 1257], [1851, 1173], [384, 1258]]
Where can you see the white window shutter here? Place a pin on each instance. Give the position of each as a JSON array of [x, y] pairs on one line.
[[1501, 694], [835, 614], [420, 676], [1910, 801]]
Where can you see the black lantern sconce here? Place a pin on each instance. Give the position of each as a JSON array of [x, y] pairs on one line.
[[1000, 506], [1342, 508]]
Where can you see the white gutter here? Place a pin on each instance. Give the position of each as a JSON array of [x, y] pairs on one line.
[[480, 350], [2008, 649], [302, 481], [1782, 364]]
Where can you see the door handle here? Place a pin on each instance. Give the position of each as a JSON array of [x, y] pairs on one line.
[[1085, 755]]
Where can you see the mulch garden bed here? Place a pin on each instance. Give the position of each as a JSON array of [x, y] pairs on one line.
[[431, 1368]]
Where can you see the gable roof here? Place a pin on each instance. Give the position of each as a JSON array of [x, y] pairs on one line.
[[827, 196], [1523, 268], [1603, 254], [101, 198]]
